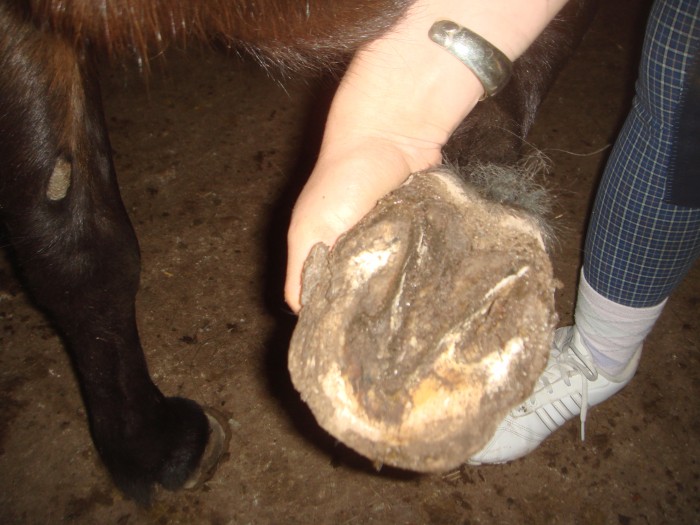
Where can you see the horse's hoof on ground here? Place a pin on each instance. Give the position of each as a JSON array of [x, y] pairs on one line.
[[424, 325], [215, 451]]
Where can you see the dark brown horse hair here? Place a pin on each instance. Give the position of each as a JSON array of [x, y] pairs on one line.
[[299, 35]]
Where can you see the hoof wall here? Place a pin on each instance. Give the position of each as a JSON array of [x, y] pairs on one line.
[[217, 447]]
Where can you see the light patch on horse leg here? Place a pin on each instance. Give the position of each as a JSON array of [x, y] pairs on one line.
[[60, 180]]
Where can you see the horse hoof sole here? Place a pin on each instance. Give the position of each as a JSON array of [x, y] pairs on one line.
[[424, 325]]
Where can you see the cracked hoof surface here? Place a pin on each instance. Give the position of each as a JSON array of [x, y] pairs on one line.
[[424, 325]]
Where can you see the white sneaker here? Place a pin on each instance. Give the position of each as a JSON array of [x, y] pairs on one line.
[[568, 387]]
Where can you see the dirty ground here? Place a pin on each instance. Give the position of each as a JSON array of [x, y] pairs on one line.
[[210, 156]]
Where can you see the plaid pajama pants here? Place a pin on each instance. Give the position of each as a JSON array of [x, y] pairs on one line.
[[639, 245]]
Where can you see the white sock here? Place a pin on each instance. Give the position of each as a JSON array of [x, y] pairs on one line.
[[612, 332]]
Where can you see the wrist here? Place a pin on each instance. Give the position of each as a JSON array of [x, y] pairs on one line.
[[403, 84], [403, 87]]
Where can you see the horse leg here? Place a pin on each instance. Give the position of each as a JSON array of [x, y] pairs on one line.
[[78, 253]]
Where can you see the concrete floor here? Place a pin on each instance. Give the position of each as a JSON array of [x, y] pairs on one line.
[[209, 160]]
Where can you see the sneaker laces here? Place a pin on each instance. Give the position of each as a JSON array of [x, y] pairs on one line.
[[568, 364]]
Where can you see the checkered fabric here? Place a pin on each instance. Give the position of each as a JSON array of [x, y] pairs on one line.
[[638, 247]]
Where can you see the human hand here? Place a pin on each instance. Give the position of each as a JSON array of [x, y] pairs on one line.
[[397, 105], [385, 123]]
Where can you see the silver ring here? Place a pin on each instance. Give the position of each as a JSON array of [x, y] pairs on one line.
[[486, 61]]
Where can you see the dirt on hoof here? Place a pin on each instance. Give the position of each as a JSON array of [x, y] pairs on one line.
[[424, 325]]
